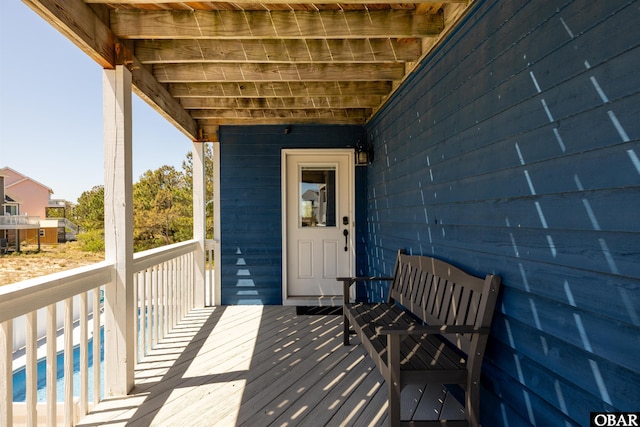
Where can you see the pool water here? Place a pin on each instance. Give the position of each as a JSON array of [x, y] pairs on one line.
[[19, 375]]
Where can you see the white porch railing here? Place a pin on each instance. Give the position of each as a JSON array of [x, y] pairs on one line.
[[163, 292]]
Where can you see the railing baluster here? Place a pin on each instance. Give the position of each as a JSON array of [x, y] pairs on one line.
[[174, 297], [142, 313], [6, 377], [183, 275], [136, 308], [52, 365], [148, 312], [31, 324], [154, 289], [84, 355], [190, 266], [183, 292], [209, 273], [161, 303], [189, 279], [68, 361], [97, 345]]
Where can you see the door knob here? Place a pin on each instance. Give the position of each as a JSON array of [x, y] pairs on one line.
[[346, 240]]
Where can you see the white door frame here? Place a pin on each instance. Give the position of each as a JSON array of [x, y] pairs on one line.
[[319, 301]]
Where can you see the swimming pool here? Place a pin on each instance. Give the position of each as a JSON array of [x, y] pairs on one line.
[[19, 375]]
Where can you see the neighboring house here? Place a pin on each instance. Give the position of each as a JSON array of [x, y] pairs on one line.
[[26, 197], [31, 195]]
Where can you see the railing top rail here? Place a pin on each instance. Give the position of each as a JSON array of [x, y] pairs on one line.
[[23, 297], [151, 257]]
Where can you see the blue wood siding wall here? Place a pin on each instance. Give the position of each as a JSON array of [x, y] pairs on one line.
[[515, 150], [251, 204]]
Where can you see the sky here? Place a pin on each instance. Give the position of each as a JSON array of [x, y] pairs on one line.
[[51, 126]]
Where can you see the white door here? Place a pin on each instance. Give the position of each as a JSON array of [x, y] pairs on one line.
[[317, 224]]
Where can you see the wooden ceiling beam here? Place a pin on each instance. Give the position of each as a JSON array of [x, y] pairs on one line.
[[168, 73], [305, 2], [278, 51], [282, 103], [213, 127], [250, 114], [391, 23], [279, 89]]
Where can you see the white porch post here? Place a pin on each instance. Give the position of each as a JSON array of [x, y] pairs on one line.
[[199, 225], [217, 251], [118, 232]]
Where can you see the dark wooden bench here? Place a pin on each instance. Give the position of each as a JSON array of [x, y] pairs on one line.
[[433, 330]]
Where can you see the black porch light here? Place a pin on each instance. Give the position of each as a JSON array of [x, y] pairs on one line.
[[364, 154]]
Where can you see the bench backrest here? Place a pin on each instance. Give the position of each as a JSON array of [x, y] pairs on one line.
[[442, 294]]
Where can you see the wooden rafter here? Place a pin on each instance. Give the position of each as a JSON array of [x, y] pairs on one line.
[[278, 50], [335, 102], [285, 72], [278, 89], [330, 24]]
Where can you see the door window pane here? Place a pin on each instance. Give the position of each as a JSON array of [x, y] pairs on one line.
[[318, 197]]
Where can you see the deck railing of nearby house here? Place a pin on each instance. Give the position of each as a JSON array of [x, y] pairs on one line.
[[163, 292], [18, 221]]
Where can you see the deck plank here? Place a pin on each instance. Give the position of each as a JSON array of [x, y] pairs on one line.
[[253, 366]]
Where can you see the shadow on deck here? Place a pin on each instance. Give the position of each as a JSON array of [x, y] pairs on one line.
[[253, 366]]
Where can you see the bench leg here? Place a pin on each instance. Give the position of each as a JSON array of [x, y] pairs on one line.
[[394, 385], [472, 403], [347, 326]]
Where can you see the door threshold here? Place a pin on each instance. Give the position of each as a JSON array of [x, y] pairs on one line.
[[314, 301]]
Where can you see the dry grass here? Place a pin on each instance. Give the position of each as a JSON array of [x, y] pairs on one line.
[[29, 263]]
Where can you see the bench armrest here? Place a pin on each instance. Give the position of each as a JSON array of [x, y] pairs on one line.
[[352, 280], [430, 329], [348, 281]]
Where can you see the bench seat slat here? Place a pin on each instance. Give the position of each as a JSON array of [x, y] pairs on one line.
[[419, 353]]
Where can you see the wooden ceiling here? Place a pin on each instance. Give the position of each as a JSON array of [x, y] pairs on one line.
[[206, 64]]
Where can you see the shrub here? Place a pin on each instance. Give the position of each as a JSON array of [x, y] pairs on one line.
[[91, 241]]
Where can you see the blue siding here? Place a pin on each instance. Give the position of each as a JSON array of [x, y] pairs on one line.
[[514, 150], [251, 204]]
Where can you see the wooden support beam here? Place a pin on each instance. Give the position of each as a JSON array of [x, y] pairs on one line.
[[282, 103], [118, 227], [278, 89], [278, 50], [172, 73], [390, 23]]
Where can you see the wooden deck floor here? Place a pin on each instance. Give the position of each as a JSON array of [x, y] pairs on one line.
[[252, 366]]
